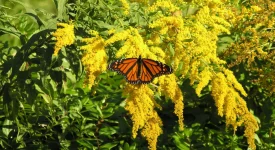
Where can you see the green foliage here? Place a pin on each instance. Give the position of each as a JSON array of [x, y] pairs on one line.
[[45, 105], [43, 101]]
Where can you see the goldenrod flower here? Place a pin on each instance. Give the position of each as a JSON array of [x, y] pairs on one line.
[[256, 8], [193, 42], [140, 102], [141, 106], [125, 6], [233, 81], [231, 104], [117, 36], [134, 45], [94, 58], [111, 31], [219, 91], [169, 87], [166, 24], [164, 4], [64, 36], [151, 131], [204, 78]]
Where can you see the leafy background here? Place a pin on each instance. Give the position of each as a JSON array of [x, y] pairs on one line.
[[44, 105]]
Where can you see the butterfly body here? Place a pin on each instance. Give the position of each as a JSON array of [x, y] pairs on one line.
[[139, 70]]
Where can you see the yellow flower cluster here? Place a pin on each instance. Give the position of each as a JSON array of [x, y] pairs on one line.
[[170, 88], [204, 77], [152, 129], [169, 24], [232, 105], [125, 6], [255, 25], [94, 58], [232, 81], [141, 105], [172, 26], [190, 42], [134, 45], [64, 36], [194, 43], [255, 22], [163, 4], [140, 101], [202, 41], [219, 91]]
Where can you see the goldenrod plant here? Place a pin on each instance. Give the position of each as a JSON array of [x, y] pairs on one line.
[[57, 91]]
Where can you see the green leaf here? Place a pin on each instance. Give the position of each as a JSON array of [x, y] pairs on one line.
[[106, 130], [52, 88], [188, 132], [38, 20], [126, 146], [179, 143], [38, 88], [7, 127], [108, 112], [65, 64], [56, 3], [35, 76], [10, 30], [10, 103], [61, 9], [71, 76], [85, 143], [257, 138], [46, 97], [90, 126], [23, 66], [99, 111], [102, 24], [133, 146], [64, 87], [172, 50], [108, 146]]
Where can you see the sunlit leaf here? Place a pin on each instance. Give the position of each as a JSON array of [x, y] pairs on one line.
[[7, 127], [108, 146], [106, 130]]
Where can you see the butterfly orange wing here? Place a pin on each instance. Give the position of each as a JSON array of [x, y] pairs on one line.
[[151, 69], [138, 70], [127, 67]]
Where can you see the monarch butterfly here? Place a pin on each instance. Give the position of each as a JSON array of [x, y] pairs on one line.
[[139, 70]]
